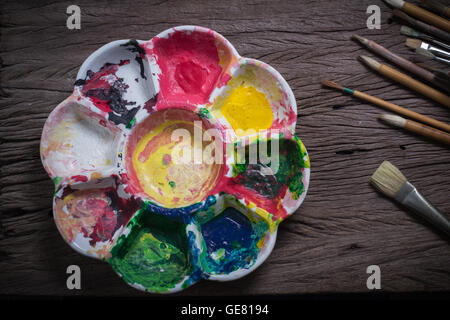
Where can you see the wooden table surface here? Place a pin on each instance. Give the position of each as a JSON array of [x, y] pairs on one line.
[[342, 227]]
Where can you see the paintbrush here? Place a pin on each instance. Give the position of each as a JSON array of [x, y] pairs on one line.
[[416, 127], [417, 43], [389, 180], [422, 26], [445, 75], [429, 55], [407, 81], [437, 7], [407, 31], [400, 61], [389, 106], [421, 14]]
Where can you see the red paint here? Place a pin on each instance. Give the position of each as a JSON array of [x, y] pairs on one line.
[[272, 206], [99, 81], [79, 178], [151, 103], [189, 64], [292, 118]]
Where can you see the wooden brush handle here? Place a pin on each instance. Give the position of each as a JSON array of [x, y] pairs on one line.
[[426, 16], [427, 131], [406, 112], [415, 85], [400, 61]]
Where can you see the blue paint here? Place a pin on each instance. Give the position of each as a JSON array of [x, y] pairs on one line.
[[183, 214], [197, 273], [230, 241]]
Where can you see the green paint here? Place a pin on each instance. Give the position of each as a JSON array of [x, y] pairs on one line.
[[291, 164], [131, 123], [291, 161], [172, 184], [204, 216], [218, 255], [203, 112], [56, 181], [154, 254]]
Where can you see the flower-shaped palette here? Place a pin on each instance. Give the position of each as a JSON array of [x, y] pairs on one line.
[[113, 149]]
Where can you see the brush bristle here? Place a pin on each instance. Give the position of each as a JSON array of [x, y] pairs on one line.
[[413, 43], [332, 84], [407, 31], [425, 53], [360, 39], [388, 179], [396, 3], [393, 120], [370, 62]]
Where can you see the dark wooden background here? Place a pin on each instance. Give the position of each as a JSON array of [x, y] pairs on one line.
[[342, 227]]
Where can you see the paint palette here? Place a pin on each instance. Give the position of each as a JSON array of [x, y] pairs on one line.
[[175, 159]]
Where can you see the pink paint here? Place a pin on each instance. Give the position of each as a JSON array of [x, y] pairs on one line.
[[189, 66]]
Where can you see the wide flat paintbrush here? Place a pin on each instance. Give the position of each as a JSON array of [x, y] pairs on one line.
[[419, 44], [422, 26], [421, 14], [390, 181], [427, 54], [407, 81], [389, 106], [416, 127], [437, 7], [400, 61], [407, 31]]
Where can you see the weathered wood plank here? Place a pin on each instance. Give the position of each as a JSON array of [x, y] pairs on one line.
[[342, 227]]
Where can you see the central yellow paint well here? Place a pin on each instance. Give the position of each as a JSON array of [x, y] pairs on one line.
[[161, 172], [247, 109]]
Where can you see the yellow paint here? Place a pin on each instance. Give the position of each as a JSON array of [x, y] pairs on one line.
[[247, 109], [164, 176], [96, 175]]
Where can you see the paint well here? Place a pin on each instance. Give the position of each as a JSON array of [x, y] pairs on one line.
[[266, 191], [90, 218], [190, 66], [156, 163], [76, 142], [247, 109], [154, 255], [232, 242]]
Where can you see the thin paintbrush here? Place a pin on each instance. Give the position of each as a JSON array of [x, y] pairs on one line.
[[416, 127], [389, 180], [421, 14], [400, 61], [417, 43], [389, 106], [437, 7], [422, 26], [445, 75], [429, 55], [407, 81], [407, 31]]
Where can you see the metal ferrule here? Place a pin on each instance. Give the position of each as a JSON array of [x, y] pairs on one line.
[[412, 199], [435, 50]]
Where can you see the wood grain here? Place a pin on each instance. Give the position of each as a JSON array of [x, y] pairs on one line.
[[342, 227]]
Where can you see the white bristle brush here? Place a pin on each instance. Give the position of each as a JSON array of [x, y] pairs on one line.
[[391, 182]]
